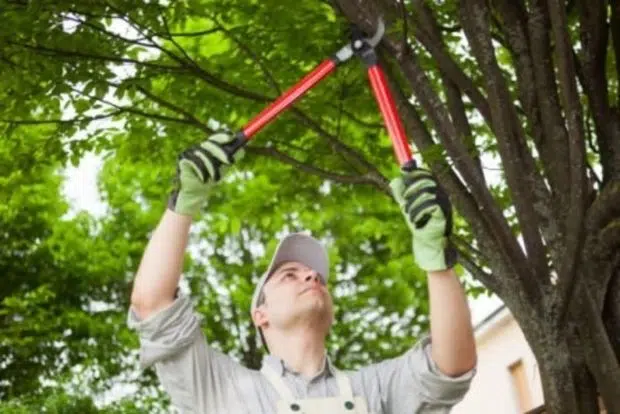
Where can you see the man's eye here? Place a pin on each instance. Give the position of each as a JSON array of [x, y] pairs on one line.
[[289, 275]]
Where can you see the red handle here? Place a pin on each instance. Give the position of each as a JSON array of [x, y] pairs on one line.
[[288, 98], [390, 115]]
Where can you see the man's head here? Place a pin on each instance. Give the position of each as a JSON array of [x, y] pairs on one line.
[[292, 292]]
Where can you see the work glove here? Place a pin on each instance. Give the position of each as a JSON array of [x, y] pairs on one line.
[[199, 168], [428, 212]]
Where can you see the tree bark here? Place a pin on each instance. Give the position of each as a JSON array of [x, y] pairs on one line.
[[520, 173], [597, 348], [554, 363], [548, 101], [583, 381], [611, 312]]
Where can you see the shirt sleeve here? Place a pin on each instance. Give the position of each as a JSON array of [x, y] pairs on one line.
[[197, 378], [412, 382]]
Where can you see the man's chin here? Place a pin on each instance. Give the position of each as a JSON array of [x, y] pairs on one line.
[[318, 309]]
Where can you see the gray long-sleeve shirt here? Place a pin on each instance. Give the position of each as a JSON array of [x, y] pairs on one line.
[[200, 379]]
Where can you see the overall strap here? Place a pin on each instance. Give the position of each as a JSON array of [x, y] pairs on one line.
[[344, 385], [277, 382]]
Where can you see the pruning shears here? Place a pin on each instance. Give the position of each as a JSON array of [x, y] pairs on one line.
[[364, 48]]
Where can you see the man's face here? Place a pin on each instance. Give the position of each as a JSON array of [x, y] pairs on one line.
[[294, 294]]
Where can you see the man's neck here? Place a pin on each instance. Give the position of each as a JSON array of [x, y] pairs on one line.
[[302, 350]]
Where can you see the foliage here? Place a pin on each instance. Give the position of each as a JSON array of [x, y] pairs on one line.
[[523, 135], [63, 299], [107, 77]]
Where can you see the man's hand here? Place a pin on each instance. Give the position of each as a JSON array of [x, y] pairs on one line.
[[198, 169], [428, 212]]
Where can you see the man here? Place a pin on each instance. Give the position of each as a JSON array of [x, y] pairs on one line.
[[292, 310]]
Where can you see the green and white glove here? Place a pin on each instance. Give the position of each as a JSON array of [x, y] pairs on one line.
[[199, 168], [428, 212]]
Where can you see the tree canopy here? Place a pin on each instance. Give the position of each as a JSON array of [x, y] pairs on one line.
[[512, 104]]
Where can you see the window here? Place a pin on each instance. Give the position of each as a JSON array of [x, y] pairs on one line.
[[522, 388]]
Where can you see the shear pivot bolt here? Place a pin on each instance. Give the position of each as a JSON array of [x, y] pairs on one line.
[[357, 44]]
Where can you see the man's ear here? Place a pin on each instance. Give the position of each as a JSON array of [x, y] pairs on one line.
[[259, 317]]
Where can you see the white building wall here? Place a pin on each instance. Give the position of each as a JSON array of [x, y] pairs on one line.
[[500, 343]]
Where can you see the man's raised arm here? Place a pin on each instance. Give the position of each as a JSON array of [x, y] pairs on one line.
[[454, 347], [198, 169], [161, 266], [428, 213]]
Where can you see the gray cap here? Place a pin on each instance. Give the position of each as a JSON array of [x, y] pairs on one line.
[[295, 247]]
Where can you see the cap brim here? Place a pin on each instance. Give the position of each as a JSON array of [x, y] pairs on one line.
[[296, 247]]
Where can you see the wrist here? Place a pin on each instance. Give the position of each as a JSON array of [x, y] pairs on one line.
[[177, 217], [186, 202], [442, 274], [434, 255]]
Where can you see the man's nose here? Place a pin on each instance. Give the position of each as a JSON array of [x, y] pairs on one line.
[[312, 276]]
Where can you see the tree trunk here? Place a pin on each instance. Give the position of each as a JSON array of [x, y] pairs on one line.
[[611, 313], [554, 363], [569, 385], [585, 386], [597, 349], [584, 381]]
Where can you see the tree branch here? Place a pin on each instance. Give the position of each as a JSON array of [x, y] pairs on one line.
[[513, 27], [193, 34], [61, 121], [431, 33], [310, 169], [176, 45], [555, 135], [463, 200], [274, 83], [185, 62], [102, 30], [337, 144], [134, 110], [436, 111], [55, 53], [349, 115], [469, 263], [428, 25], [615, 35], [602, 242], [514, 18], [404, 18], [189, 66], [599, 353], [248, 50], [576, 160], [166, 104], [594, 41], [516, 158]]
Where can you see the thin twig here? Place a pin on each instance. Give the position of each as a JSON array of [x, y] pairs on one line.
[[194, 34], [272, 81], [133, 110], [403, 12], [55, 53], [60, 121], [107, 33], [174, 108], [311, 169]]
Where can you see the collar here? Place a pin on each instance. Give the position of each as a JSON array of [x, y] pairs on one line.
[[280, 366]]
